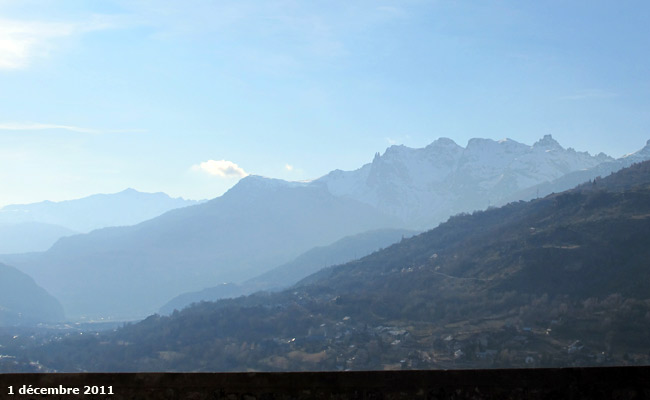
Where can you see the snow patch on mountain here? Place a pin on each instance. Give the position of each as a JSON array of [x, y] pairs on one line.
[[577, 176], [425, 186], [638, 156]]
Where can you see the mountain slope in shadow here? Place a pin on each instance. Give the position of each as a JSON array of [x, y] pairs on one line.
[[339, 252], [24, 302], [126, 272], [526, 279]]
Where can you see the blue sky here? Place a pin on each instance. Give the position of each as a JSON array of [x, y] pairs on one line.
[[186, 97]]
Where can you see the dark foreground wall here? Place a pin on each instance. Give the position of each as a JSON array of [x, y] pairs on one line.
[[569, 383]]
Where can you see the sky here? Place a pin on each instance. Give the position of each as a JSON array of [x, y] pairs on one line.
[[188, 97]]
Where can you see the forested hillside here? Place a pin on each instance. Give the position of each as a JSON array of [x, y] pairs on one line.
[[563, 280]]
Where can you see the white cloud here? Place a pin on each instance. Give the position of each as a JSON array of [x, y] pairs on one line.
[[36, 126], [288, 167], [221, 168], [22, 41]]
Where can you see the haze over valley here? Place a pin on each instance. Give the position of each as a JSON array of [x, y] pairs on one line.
[[130, 272], [272, 186], [508, 286]]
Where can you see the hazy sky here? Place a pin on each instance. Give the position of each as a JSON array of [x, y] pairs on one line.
[[186, 96]]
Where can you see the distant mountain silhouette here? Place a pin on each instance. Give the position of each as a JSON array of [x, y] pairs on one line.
[[262, 222], [131, 271], [37, 226], [26, 237]]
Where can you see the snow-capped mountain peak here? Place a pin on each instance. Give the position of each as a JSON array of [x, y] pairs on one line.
[[548, 143], [425, 186], [638, 156]]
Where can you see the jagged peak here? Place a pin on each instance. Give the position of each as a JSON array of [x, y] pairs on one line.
[[481, 143], [474, 142], [603, 157], [396, 151], [396, 148], [402, 150], [443, 143], [547, 142]]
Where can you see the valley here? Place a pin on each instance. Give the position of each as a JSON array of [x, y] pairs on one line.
[[557, 281]]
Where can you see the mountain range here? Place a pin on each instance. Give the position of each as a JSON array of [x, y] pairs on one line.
[[562, 280], [572, 179], [37, 226], [262, 223], [25, 237], [423, 187], [128, 272]]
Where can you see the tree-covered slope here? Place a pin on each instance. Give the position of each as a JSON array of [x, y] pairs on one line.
[[512, 286]]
